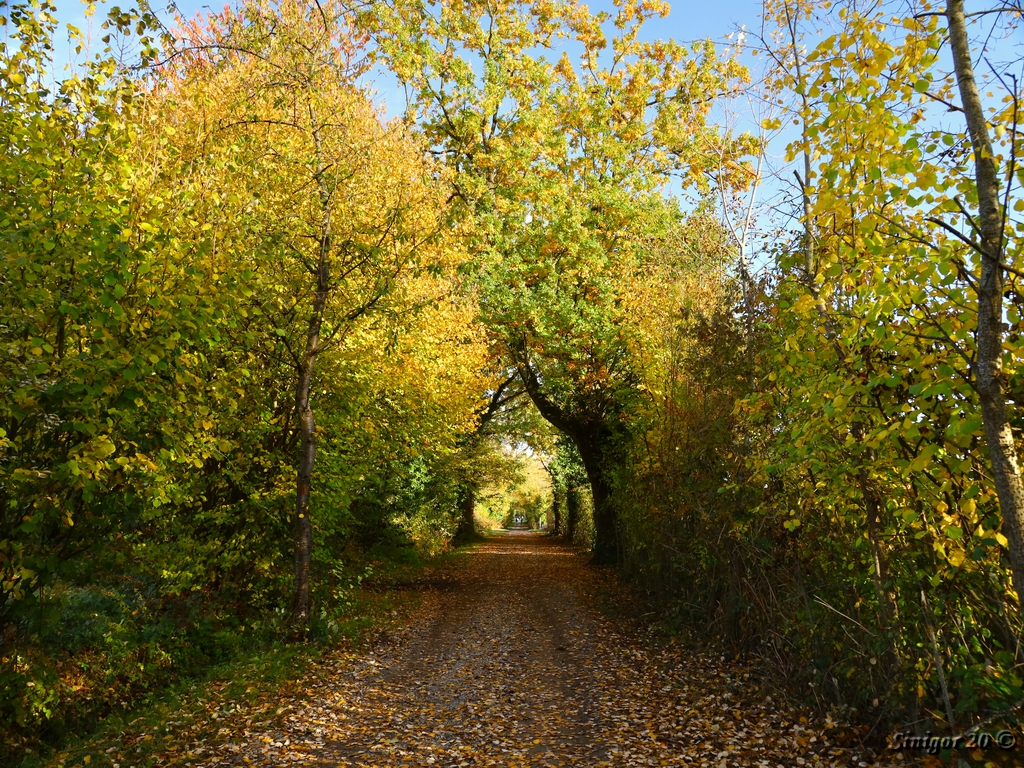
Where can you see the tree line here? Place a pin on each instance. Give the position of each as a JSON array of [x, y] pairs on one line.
[[251, 326]]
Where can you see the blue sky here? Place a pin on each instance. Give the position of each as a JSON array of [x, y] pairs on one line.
[[689, 20]]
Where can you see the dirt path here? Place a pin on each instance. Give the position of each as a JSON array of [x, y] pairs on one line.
[[501, 673], [509, 663]]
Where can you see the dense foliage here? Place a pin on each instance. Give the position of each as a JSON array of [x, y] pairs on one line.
[[254, 335], [157, 300], [818, 480]]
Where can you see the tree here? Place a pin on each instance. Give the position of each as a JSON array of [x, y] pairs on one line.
[[873, 424], [334, 206], [991, 247], [567, 474], [166, 248], [105, 314], [561, 168], [879, 216]]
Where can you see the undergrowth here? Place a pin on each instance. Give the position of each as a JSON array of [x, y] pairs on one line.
[[117, 662]]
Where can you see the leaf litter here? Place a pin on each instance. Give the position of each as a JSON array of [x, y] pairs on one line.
[[506, 662]]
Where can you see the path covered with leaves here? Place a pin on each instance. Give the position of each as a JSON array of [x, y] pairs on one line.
[[508, 662]]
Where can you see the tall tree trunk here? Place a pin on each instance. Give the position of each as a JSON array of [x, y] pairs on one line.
[[307, 455], [989, 363], [595, 440], [734, 607], [303, 529], [307, 426], [467, 510], [606, 522]]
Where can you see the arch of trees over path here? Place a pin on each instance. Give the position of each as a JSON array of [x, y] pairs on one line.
[[253, 335]]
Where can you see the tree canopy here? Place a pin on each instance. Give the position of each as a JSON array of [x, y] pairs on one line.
[[258, 339]]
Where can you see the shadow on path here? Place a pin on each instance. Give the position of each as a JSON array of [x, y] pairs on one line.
[[496, 674], [509, 663]]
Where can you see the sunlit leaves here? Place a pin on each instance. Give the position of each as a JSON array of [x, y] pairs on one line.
[[887, 320], [158, 229]]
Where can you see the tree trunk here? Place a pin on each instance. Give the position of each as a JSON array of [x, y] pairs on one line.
[[301, 604], [467, 509], [873, 506], [989, 364], [880, 570], [606, 522], [594, 440], [572, 511], [734, 607], [556, 511], [307, 452], [303, 528]]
